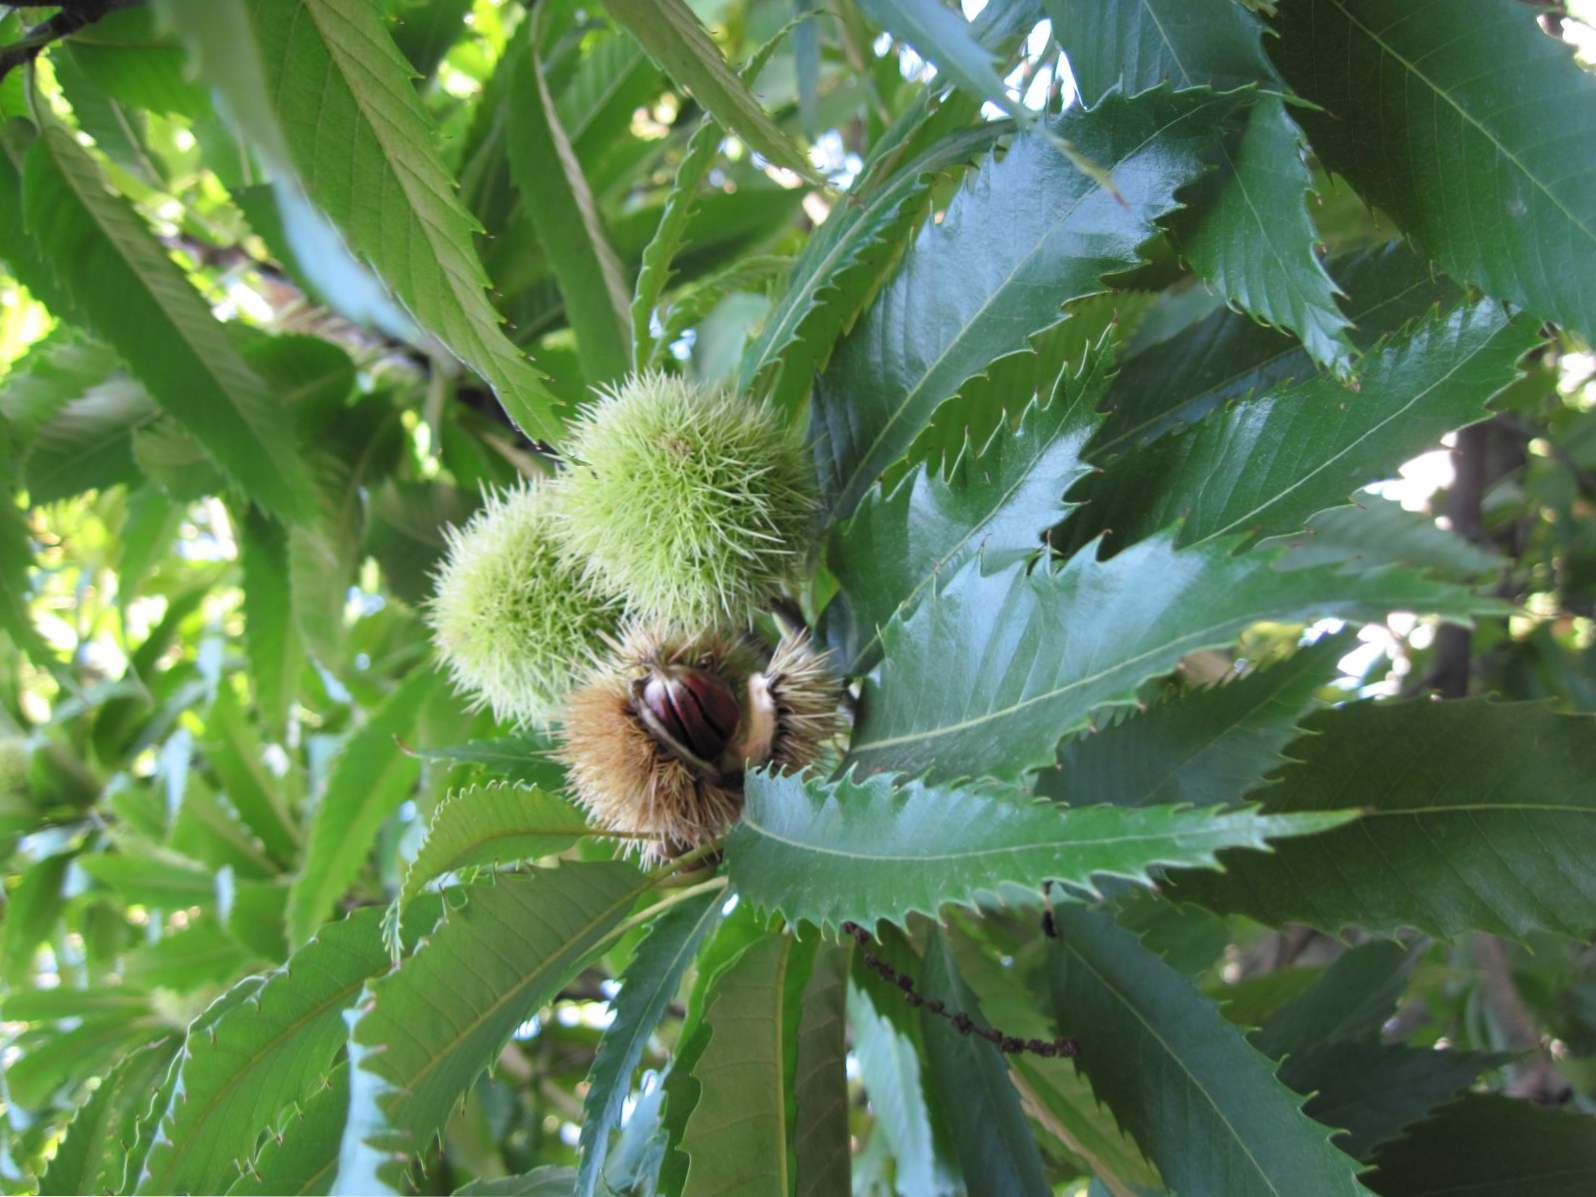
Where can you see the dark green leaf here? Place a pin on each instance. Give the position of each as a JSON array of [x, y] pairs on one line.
[[830, 852], [540, 1182], [1248, 233], [1486, 1145], [990, 1135], [1045, 650], [1350, 1000], [1199, 1099], [137, 299], [1375, 531], [1205, 747], [426, 1031], [1468, 841], [682, 47], [270, 638], [1227, 356], [998, 268], [369, 779], [996, 500], [1140, 44], [820, 1080], [33, 904], [647, 988], [199, 955], [1372, 1090], [1463, 120], [946, 40], [1268, 463]]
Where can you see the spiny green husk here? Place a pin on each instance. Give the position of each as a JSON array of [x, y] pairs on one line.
[[694, 503], [515, 621]]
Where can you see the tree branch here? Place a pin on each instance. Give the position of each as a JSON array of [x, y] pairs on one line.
[[72, 17]]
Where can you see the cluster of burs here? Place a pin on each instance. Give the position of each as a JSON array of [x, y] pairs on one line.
[[615, 603]]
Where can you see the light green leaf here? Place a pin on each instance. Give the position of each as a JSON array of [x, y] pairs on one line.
[[1464, 121], [674, 38], [547, 1181], [33, 905], [1465, 842], [738, 1138], [302, 1157], [371, 776], [320, 86], [1488, 1145], [490, 824], [560, 205], [136, 299], [996, 500], [1042, 651], [1206, 747], [269, 1053], [1203, 1104], [1268, 463], [859, 851], [998, 268], [91, 1156], [990, 1135], [647, 988], [427, 1030]]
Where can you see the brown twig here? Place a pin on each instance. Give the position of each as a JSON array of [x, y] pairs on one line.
[[71, 18], [962, 1022]]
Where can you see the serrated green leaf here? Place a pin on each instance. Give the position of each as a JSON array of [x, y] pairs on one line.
[[998, 268], [1370, 1091], [1373, 531], [425, 29], [997, 501], [820, 1080], [90, 1158], [60, 1058], [137, 300], [647, 987], [527, 758], [1268, 463], [863, 850], [302, 1157], [832, 277], [491, 824], [426, 1031], [1203, 1104], [1137, 45], [88, 444], [1205, 747], [1042, 651], [234, 750], [1487, 1145], [990, 1135], [1500, 800], [56, 370], [1248, 233], [156, 878], [673, 37], [567, 220], [652, 276], [269, 1053], [371, 776], [738, 1138], [191, 958], [1227, 356], [320, 87], [1460, 118], [945, 39]]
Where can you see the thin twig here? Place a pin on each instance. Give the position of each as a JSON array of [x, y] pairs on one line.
[[65, 23]]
